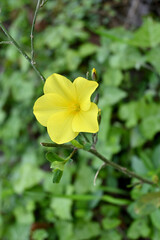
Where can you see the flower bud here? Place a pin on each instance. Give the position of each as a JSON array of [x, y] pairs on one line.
[[94, 74]]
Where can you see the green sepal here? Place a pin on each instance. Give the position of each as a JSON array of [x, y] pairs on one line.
[[76, 144], [87, 146], [57, 175], [52, 157]]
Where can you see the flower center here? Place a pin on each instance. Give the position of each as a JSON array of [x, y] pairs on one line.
[[75, 108]]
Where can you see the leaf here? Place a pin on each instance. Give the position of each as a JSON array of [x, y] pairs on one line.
[[112, 96], [89, 230], [57, 175], [156, 156], [110, 223], [39, 234], [150, 126], [83, 184], [62, 208], [110, 235], [153, 57], [138, 165], [87, 146], [72, 59], [76, 144], [14, 231], [87, 49], [136, 139], [147, 203], [128, 112], [26, 176], [65, 229], [51, 157], [118, 34], [139, 228], [126, 57], [155, 217], [112, 77], [148, 35]]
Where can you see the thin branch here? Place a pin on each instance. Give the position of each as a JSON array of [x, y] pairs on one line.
[[22, 51], [67, 146], [32, 31], [99, 169], [106, 161], [43, 2], [120, 168], [5, 42], [85, 137]]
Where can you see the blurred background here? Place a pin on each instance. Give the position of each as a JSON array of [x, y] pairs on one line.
[[121, 39]]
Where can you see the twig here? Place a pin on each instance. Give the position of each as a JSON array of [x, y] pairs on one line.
[[106, 161], [67, 146], [43, 2], [5, 42], [94, 139], [22, 52], [32, 31], [84, 136], [120, 168], [99, 169]]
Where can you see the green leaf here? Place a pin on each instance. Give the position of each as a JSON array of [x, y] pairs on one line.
[[138, 228], [153, 57], [155, 217], [57, 175], [76, 144], [110, 223], [112, 96], [87, 49], [25, 176], [156, 156], [51, 157], [111, 235], [112, 77], [14, 231], [148, 35], [128, 112], [72, 59], [62, 208], [126, 57], [87, 146], [150, 126], [58, 165], [39, 234], [64, 229], [136, 139], [84, 184], [89, 230], [147, 203], [138, 165]]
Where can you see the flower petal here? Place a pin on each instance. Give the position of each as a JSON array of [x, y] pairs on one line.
[[59, 127], [59, 84], [84, 89], [86, 121], [46, 105]]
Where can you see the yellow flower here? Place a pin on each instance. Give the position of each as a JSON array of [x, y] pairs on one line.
[[65, 108]]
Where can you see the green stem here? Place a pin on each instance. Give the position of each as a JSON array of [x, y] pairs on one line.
[[105, 160], [32, 31], [120, 168], [22, 52], [85, 137], [43, 2], [67, 146], [5, 42]]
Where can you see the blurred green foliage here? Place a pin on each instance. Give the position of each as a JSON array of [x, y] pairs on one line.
[[70, 40]]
